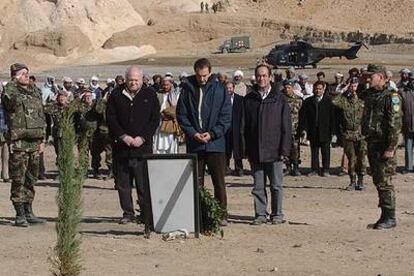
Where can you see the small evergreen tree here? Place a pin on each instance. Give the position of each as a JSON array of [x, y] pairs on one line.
[[69, 199]]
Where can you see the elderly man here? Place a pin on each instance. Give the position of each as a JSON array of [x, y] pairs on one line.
[[381, 125], [26, 124], [81, 85], [166, 138], [69, 88], [133, 115], [95, 88], [240, 87], [303, 88], [267, 114], [204, 114]]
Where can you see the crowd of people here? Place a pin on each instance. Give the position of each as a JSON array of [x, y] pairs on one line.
[[265, 120]]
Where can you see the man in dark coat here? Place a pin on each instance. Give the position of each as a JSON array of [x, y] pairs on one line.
[[235, 134], [317, 120], [204, 114], [133, 115], [268, 139]]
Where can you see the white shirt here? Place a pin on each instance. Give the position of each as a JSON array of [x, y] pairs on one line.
[[200, 103], [265, 93]]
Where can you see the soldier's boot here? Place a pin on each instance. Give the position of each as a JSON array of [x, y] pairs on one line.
[[352, 183], [388, 221], [360, 183], [20, 220], [30, 217], [295, 170]]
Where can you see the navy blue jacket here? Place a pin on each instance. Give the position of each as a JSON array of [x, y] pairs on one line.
[[216, 112]]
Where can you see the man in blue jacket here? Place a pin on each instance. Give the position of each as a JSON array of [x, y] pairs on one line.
[[204, 114]]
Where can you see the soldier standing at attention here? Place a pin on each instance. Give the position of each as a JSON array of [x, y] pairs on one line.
[[26, 122], [351, 109], [381, 124], [55, 110], [295, 103]]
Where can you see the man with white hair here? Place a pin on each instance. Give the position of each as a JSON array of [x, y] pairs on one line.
[[240, 87], [133, 115], [96, 90], [390, 83]]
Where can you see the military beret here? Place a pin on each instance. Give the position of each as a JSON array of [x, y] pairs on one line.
[[411, 75], [290, 69], [375, 68], [16, 67], [288, 82], [61, 92]]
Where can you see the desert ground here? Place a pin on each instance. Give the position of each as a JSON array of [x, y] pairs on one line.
[[325, 234]]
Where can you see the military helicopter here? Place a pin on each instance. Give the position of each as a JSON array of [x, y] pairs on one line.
[[300, 53]]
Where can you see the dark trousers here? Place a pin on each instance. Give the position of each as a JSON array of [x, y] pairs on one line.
[[238, 162], [216, 166], [325, 149], [128, 170], [42, 168], [48, 119]]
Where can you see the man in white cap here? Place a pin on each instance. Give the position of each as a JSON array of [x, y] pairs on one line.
[[303, 88], [110, 85], [404, 81], [96, 90], [240, 87], [80, 83], [69, 88]]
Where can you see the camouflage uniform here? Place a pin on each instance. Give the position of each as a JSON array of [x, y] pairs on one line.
[[56, 113], [26, 122], [86, 123], [381, 124], [355, 147], [101, 139], [295, 103]]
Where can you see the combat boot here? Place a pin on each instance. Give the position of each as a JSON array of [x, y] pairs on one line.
[[30, 217], [360, 183], [388, 221], [295, 170], [20, 217], [352, 184]]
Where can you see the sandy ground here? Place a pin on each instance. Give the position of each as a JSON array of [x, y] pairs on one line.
[[326, 233]]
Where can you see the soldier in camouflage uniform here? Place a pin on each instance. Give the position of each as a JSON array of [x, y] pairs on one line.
[[55, 110], [101, 139], [86, 118], [26, 135], [295, 103], [381, 124], [351, 110]]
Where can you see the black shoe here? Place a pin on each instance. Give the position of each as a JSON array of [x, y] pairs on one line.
[[127, 219], [325, 173], [405, 171], [341, 173], [239, 173], [42, 177], [295, 171], [110, 175], [360, 183], [259, 220], [6, 180], [20, 220], [30, 217], [276, 220], [96, 174]]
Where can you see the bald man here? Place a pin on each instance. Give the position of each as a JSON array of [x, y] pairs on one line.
[[133, 116]]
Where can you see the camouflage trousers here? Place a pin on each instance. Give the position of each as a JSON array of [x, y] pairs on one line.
[[24, 170], [355, 151], [382, 171], [101, 142], [294, 156]]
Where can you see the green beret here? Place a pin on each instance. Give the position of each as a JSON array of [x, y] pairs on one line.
[[288, 82], [411, 75], [16, 67], [375, 68]]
